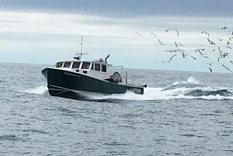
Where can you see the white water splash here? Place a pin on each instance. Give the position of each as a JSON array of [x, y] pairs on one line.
[[37, 90], [189, 80], [161, 94], [192, 80]]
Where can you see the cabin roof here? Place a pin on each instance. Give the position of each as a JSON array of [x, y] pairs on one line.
[[93, 61]]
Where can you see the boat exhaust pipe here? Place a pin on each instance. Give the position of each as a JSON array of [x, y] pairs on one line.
[[106, 58]]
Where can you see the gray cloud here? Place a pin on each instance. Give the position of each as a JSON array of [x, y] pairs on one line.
[[125, 8]]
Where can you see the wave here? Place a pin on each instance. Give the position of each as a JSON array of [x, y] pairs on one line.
[[199, 92], [9, 137]]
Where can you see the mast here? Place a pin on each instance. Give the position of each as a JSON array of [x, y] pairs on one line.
[[81, 44], [79, 55]]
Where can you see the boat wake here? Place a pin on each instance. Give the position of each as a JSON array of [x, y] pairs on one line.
[[190, 89]]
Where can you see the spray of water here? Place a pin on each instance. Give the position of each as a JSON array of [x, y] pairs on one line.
[[37, 90]]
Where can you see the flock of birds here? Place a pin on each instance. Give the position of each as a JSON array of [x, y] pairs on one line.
[[213, 46]]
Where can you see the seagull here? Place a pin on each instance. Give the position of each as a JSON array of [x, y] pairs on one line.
[[210, 69], [220, 51], [174, 29], [229, 47], [224, 55], [211, 42], [137, 33], [181, 44], [226, 68], [177, 32], [206, 33], [219, 58], [223, 28], [193, 57], [205, 56], [160, 42], [171, 58], [220, 39], [199, 50], [183, 54], [154, 35]]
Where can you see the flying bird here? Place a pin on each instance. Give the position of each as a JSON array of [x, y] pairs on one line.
[[193, 57], [220, 51], [199, 50], [160, 42], [219, 58], [177, 32], [228, 47], [171, 58], [205, 56], [206, 33], [137, 33], [154, 35], [210, 69], [211, 42], [224, 28], [183, 54], [226, 68]]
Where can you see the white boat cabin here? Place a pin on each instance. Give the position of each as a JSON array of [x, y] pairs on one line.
[[96, 68]]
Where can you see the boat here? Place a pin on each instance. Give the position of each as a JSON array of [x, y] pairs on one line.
[[73, 78]]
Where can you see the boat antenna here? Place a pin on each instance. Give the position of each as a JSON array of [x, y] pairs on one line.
[[79, 55], [81, 44]]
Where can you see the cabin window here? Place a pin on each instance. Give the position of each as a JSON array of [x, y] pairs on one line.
[[92, 66], [76, 65], [59, 64], [97, 67], [67, 65], [85, 65], [104, 68]]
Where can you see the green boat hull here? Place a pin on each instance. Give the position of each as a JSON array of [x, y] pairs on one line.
[[69, 84]]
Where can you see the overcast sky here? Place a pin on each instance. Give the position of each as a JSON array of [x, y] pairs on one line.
[[125, 8], [43, 32]]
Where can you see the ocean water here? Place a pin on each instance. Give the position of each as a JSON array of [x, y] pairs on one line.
[[181, 113]]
